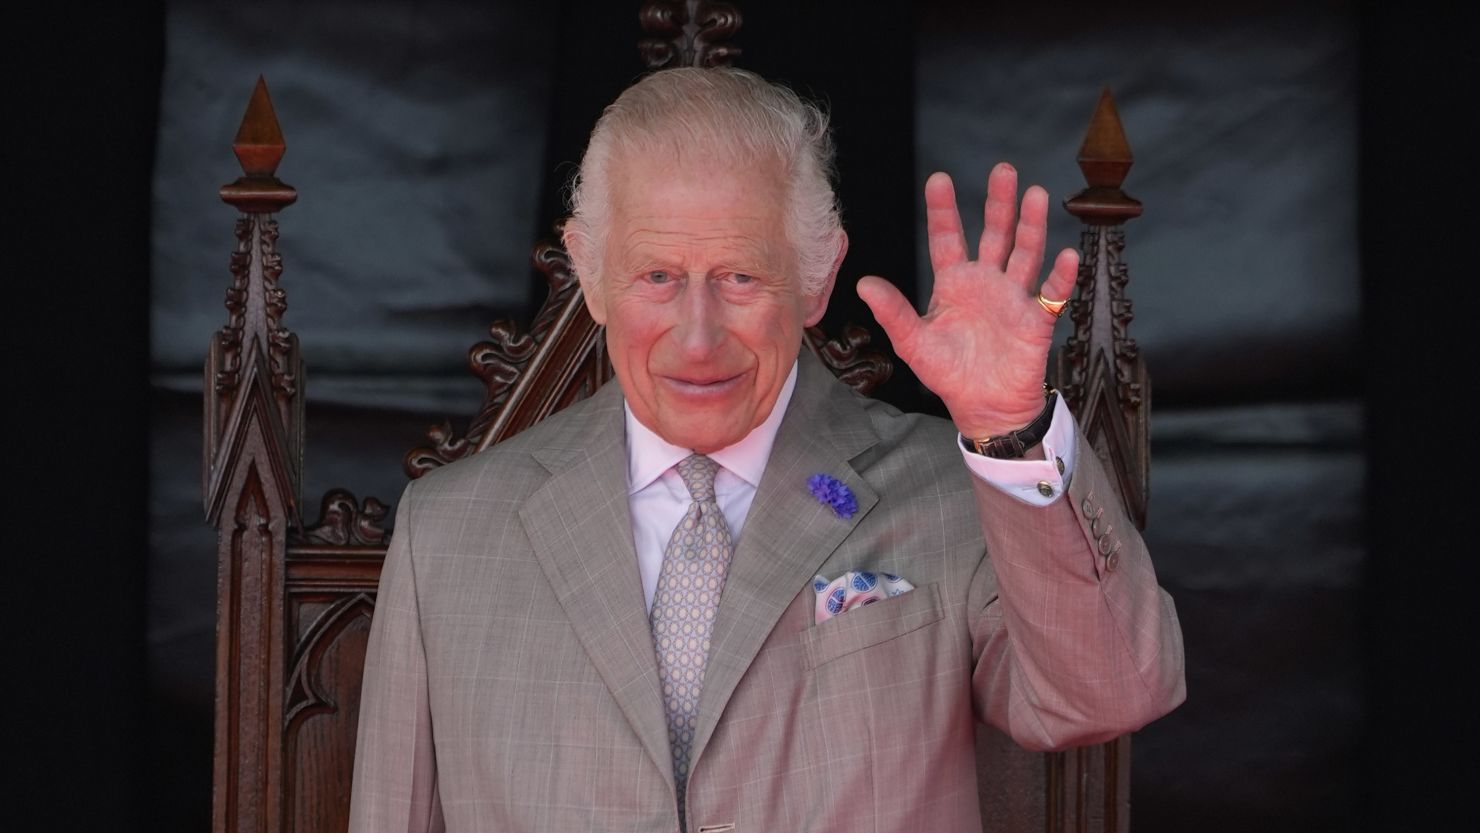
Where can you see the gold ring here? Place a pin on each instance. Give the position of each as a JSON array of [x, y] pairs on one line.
[[1055, 308]]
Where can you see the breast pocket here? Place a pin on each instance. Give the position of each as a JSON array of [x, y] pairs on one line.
[[870, 625]]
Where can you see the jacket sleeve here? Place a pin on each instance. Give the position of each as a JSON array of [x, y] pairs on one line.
[[395, 772], [1074, 642]]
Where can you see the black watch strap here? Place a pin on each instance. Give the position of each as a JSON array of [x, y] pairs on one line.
[[1016, 443]]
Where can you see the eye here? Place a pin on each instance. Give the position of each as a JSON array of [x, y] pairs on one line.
[[659, 276], [742, 278]]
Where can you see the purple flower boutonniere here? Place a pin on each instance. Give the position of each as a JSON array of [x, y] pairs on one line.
[[834, 494]]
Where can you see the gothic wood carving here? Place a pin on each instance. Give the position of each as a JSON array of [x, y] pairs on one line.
[[255, 305], [688, 33], [249, 671], [254, 342], [1100, 370], [307, 694], [322, 710], [1103, 377], [344, 521], [527, 375], [846, 356], [329, 598], [252, 465]]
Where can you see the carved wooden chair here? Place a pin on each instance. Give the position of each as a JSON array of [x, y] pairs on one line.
[[295, 598]]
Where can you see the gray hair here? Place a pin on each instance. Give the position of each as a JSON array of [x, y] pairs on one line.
[[729, 115]]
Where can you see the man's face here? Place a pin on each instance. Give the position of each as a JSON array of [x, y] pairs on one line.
[[701, 298]]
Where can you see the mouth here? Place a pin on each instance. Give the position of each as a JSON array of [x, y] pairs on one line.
[[703, 386]]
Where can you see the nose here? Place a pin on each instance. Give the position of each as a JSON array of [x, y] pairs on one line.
[[700, 329]]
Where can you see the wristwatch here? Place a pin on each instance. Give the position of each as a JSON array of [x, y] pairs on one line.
[[1015, 444]]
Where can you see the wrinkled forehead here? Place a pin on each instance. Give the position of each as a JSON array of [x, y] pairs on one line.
[[704, 204], [688, 150], [673, 158]]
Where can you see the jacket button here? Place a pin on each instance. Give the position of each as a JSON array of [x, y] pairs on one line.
[[1087, 508], [1112, 560], [1106, 547], [1045, 488]]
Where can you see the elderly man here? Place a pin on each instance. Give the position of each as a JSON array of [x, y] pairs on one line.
[[726, 592]]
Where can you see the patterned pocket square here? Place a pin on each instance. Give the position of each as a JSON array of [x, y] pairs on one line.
[[855, 588]]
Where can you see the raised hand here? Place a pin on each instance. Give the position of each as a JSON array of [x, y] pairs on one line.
[[982, 345]]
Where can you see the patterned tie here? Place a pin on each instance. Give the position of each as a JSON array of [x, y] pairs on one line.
[[689, 584]]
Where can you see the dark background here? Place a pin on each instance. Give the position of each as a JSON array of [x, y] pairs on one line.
[[1296, 275]]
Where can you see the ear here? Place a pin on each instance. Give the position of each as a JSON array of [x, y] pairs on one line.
[[813, 306], [578, 246]]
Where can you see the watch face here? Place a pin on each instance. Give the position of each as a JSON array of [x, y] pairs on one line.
[[1006, 447], [1003, 448]]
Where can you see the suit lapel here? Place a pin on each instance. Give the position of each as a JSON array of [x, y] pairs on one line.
[[580, 527], [788, 534]]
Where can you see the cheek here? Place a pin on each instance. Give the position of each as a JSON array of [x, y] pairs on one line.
[[632, 336], [772, 329]]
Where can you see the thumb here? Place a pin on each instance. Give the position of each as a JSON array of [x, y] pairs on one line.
[[893, 311]]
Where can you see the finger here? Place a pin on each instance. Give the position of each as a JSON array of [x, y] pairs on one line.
[[1000, 210], [943, 223], [1032, 234], [1060, 283], [893, 311]]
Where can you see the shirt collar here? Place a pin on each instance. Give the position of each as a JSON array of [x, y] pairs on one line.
[[649, 455]]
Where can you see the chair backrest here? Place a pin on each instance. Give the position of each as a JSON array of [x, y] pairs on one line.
[[295, 599]]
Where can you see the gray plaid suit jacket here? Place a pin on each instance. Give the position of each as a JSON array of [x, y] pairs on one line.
[[510, 683]]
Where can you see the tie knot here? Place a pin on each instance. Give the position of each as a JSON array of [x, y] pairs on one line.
[[697, 472]]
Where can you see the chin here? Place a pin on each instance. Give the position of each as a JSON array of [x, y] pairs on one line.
[[709, 433], [708, 441], [708, 417]]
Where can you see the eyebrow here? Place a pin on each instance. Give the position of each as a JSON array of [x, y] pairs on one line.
[[749, 263]]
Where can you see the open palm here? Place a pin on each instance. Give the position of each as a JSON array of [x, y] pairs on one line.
[[982, 345]]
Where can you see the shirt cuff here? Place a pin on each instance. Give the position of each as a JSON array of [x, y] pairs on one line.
[[1035, 482]]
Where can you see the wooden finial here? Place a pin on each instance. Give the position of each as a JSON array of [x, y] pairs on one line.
[[259, 147], [1105, 158], [259, 142]]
